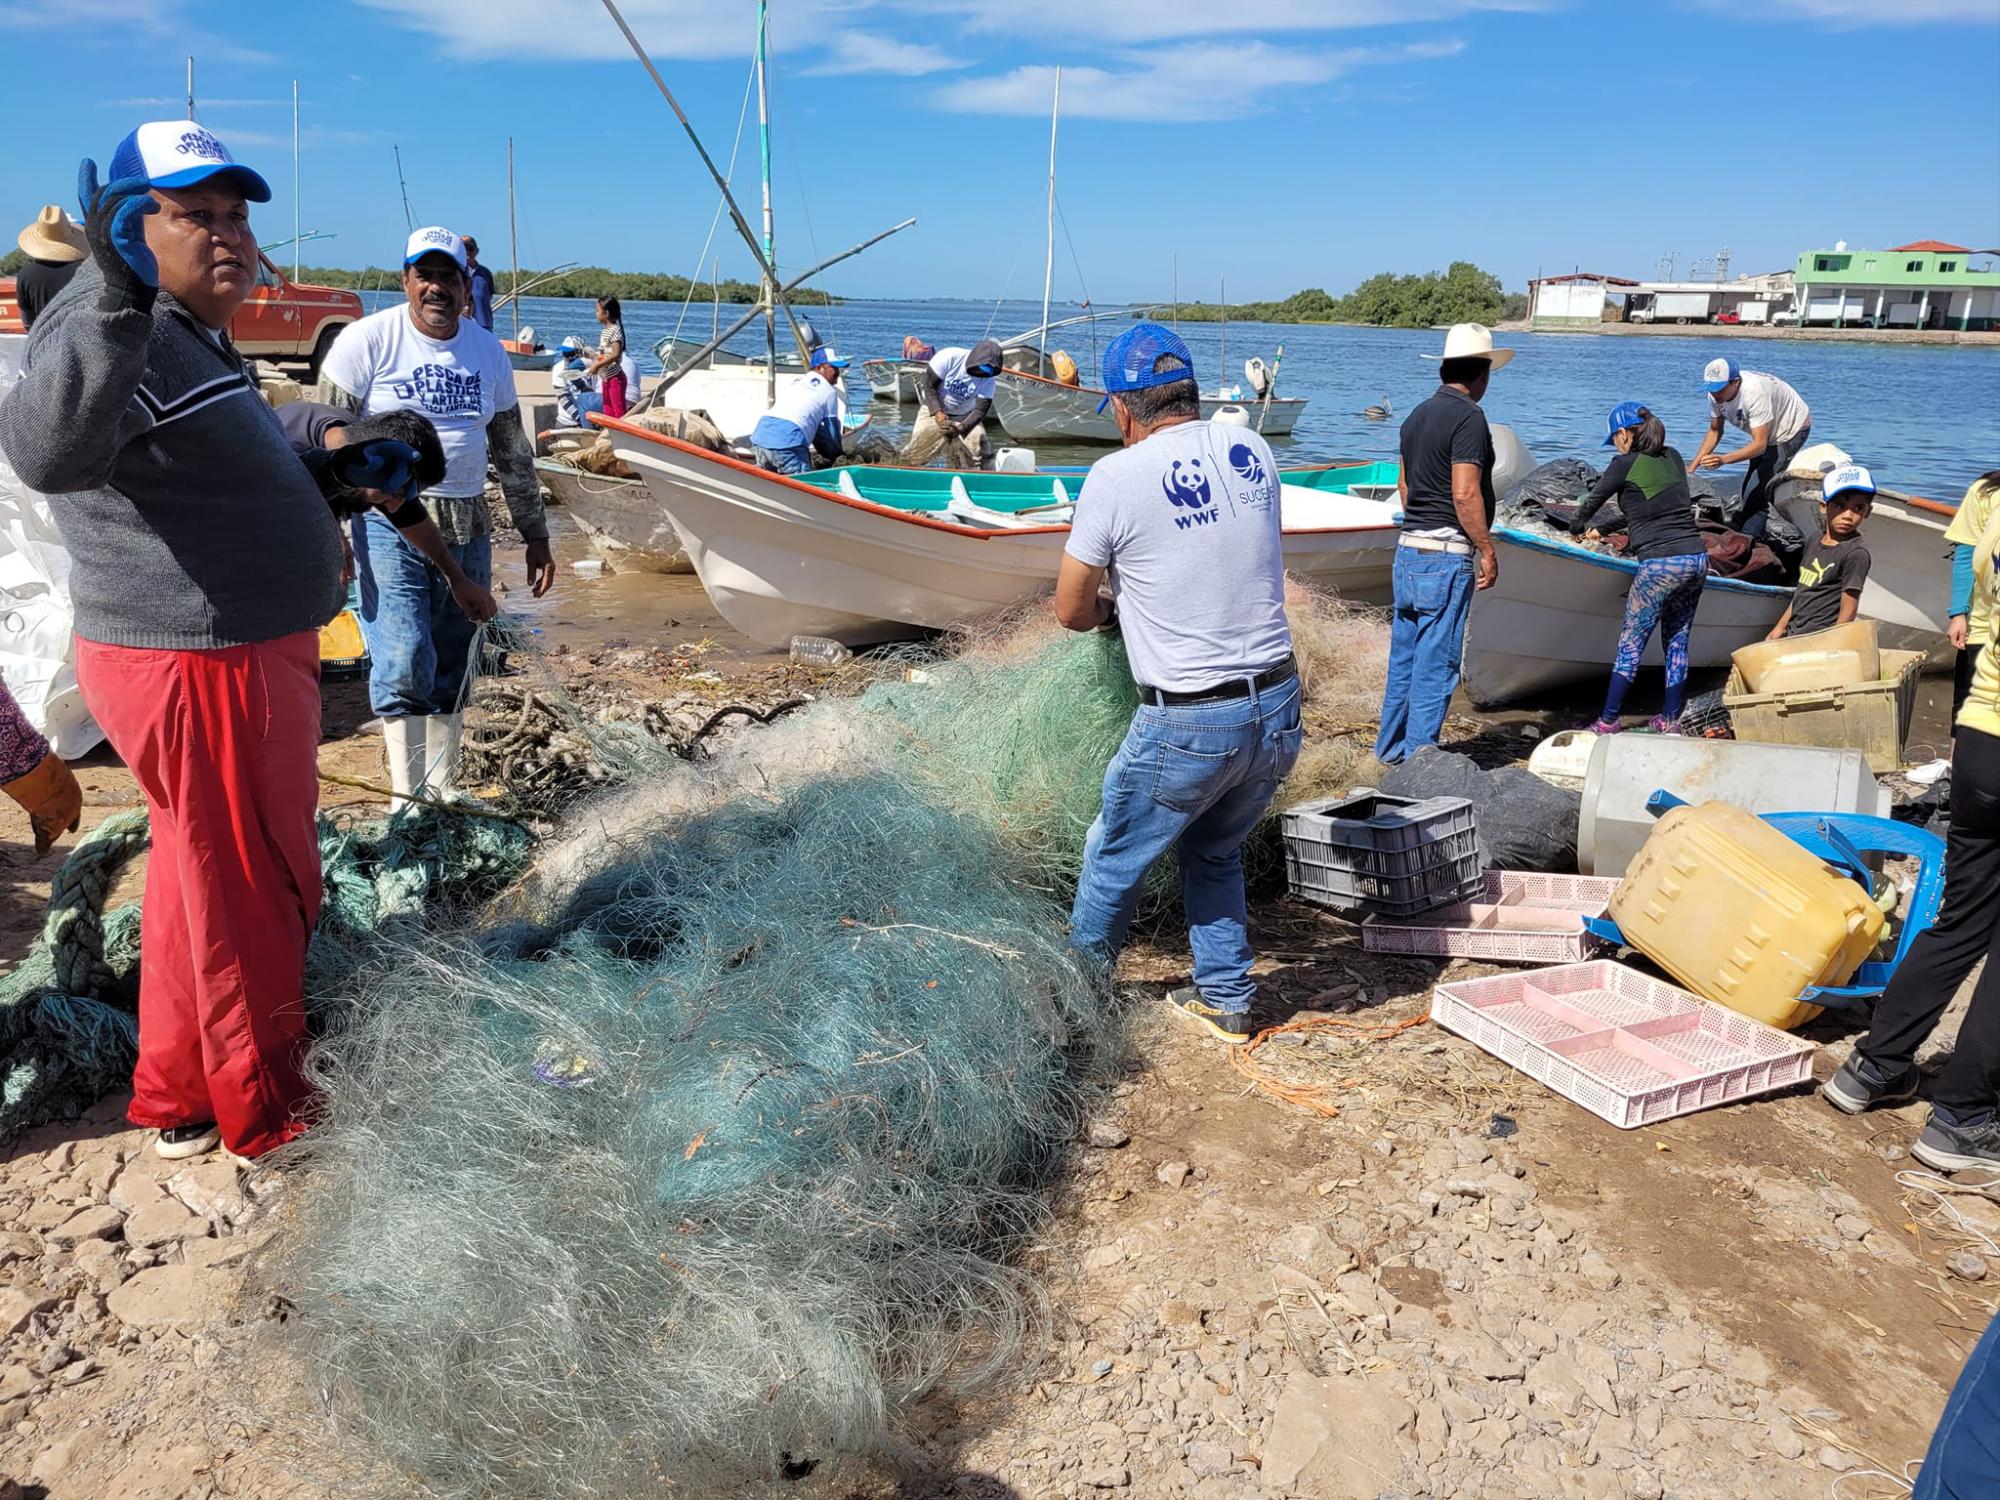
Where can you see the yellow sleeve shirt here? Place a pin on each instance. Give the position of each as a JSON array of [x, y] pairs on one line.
[[1981, 502], [1982, 704]]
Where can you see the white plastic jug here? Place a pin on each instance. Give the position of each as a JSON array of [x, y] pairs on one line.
[[1014, 461], [1626, 769]]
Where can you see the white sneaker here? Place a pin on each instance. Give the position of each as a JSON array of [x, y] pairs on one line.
[[179, 1142]]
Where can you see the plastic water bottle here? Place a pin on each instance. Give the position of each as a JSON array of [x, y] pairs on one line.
[[819, 651]]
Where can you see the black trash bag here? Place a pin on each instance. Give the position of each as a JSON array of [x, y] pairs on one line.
[[1786, 540], [1524, 822], [1561, 514], [1560, 480]]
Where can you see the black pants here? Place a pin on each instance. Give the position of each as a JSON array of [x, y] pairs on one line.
[[1967, 928], [1765, 470]]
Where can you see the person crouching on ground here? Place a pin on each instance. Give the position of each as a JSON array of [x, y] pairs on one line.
[[204, 563], [1446, 549], [1963, 1131], [1836, 563], [804, 421], [335, 446], [1185, 520], [1650, 482], [425, 356]]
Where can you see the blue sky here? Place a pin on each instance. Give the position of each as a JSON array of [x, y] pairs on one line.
[[1275, 143]]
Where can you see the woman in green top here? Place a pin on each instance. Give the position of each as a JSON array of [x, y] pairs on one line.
[[1650, 481]]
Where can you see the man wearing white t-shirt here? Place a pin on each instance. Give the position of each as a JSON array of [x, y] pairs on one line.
[[956, 389], [1779, 424], [425, 356]]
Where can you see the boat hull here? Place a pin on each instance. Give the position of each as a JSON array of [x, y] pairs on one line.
[[1553, 617], [625, 525], [780, 558], [1032, 408], [892, 379]]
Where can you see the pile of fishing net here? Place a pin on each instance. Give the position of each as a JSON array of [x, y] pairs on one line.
[[69, 1026], [719, 1144]]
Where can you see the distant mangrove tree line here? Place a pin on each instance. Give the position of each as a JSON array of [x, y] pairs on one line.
[[1462, 294], [578, 281]]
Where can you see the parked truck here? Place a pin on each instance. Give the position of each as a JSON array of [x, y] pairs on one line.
[[282, 321]]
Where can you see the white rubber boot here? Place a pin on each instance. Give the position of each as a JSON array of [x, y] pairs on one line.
[[441, 737], [404, 739]]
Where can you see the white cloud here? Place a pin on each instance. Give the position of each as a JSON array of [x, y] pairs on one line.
[[1175, 84], [113, 22], [1856, 14], [1129, 22], [693, 30], [864, 52]]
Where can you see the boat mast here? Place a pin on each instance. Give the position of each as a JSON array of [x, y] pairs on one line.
[[297, 237], [409, 219], [1222, 354], [1049, 257], [764, 163], [190, 87], [513, 240]]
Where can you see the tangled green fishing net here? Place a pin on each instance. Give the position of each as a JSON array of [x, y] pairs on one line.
[[728, 1160], [69, 1030]]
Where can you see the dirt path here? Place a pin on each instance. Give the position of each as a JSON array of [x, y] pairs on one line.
[[1461, 1285]]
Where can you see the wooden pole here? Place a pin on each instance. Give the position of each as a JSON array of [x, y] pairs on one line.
[[1049, 255]]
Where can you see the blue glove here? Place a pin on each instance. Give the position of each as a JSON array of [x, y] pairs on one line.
[[379, 464], [114, 226]]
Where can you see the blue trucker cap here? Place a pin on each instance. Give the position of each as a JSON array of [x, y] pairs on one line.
[[1717, 373], [178, 154], [1129, 360], [1624, 414]]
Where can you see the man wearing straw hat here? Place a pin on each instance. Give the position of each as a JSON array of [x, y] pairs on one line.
[[1445, 551], [55, 247], [204, 561]]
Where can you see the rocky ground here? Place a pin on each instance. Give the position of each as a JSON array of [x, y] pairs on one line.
[[1454, 1284]]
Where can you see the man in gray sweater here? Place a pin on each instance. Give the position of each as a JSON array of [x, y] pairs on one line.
[[204, 562]]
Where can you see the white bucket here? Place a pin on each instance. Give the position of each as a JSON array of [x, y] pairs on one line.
[[1626, 769], [1014, 461]]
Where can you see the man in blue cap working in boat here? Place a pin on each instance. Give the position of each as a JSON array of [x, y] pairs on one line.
[[1185, 522], [1779, 424], [804, 421]]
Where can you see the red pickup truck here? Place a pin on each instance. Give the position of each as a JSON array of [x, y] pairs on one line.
[[282, 320]]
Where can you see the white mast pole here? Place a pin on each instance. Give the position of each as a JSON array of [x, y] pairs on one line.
[[764, 152], [190, 87], [1049, 257], [297, 240], [513, 240]]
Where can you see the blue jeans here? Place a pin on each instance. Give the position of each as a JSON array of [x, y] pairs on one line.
[[586, 402], [1964, 1458], [797, 460], [1194, 779], [1433, 593], [418, 638]]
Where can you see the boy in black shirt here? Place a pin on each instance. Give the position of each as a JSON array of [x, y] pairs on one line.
[[1836, 563]]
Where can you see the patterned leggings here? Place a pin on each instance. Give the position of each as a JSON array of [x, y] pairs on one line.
[[1665, 594]]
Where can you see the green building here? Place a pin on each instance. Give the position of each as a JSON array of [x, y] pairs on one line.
[[1928, 284]]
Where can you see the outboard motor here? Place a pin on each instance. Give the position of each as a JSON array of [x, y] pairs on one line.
[[1259, 378]]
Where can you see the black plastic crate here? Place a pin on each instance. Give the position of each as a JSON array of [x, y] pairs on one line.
[[1394, 855]]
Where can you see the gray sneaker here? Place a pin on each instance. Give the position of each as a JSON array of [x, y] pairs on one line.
[[1860, 1085], [1944, 1147], [1231, 1026]]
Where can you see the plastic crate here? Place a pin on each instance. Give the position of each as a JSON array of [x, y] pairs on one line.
[[1706, 717], [1516, 916], [1872, 717], [1627, 1047], [1394, 855]]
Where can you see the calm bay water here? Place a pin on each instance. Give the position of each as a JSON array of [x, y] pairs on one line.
[[1926, 419]]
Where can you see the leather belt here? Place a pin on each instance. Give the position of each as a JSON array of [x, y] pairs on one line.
[[1240, 687], [1436, 544]]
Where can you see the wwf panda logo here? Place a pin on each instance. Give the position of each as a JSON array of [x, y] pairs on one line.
[[1189, 487], [1245, 461]]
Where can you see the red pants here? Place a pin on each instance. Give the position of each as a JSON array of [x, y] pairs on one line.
[[225, 746], [614, 393]]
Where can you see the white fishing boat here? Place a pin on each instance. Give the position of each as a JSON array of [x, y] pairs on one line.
[[1033, 408], [1553, 618], [871, 554], [625, 527], [893, 379]]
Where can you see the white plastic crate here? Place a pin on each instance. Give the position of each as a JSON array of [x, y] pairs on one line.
[[1627, 1047], [1516, 916]]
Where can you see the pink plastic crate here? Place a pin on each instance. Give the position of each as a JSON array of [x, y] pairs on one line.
[[1625, 1046], [1517, 916]]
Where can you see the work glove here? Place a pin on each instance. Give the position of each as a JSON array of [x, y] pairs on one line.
[[52, 799], [114, 226], [378, 464]]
